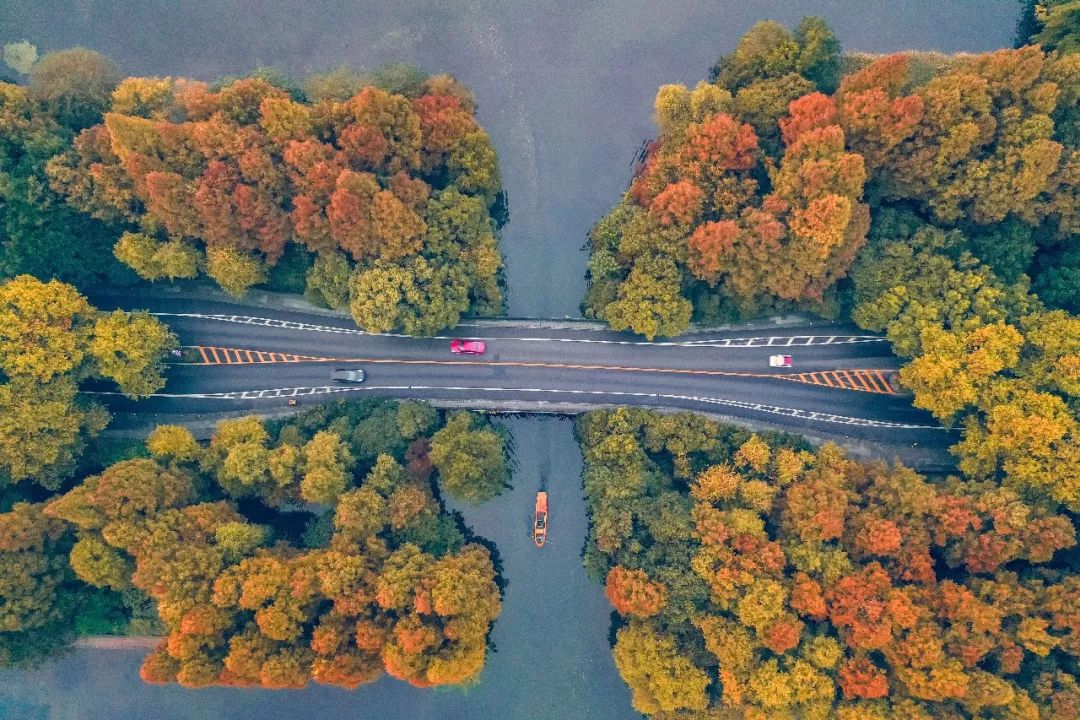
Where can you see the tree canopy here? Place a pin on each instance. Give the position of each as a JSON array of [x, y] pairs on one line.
[[757, 194], [51, 340], [388, 178], [209, 535], [754, 578]]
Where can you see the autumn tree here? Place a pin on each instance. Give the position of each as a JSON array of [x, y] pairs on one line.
[[222, 178], [36, 595], [327, 463], [44, 328], [44, 430], [631, 592], [471, 461], [392, 588], [662, 679], [129, 348], [235, 271], [820, 586], [153, 260], [53, 339]]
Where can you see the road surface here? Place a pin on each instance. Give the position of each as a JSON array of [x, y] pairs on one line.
[[257, 359]]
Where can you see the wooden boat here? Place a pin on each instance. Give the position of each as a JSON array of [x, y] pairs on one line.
[[540, 519]]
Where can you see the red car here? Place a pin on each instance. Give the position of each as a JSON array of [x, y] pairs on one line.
[[467, 347]]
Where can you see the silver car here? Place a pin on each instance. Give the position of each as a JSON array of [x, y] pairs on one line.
[[344, 375]]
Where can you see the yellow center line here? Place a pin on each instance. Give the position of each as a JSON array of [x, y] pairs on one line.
[[808, 378]]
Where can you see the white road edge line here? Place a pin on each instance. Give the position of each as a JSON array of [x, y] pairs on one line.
[[748, 342], [757, 407]]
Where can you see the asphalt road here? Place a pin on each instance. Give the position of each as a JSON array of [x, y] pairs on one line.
[[257, 359]]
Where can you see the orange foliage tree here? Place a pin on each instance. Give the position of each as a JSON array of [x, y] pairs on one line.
[[246, 168], [391, 586], [810, 585]]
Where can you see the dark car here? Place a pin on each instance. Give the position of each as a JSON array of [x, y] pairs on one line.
[[345, 375]]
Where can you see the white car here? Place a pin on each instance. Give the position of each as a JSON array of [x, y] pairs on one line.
[[779, 361]]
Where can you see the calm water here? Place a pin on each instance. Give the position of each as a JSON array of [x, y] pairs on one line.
[[565, 86], [565, 89]]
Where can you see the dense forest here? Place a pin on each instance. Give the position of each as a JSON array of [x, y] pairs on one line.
[[374, 192], [761, 188], [754, 578], [311, 548]]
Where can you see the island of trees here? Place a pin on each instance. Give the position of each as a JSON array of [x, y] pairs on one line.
[[312, 548], [761, 188], [756, 579]]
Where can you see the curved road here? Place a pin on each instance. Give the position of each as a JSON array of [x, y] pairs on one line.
[[254, 358]]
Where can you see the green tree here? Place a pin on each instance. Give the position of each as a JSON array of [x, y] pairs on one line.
[[129, 348], [471, 462], [328, 279], [819, 53], [20, 56], [74, 86], [650, 302], [767, 50], [415, 418], [660, 677], [100, 565], [341, 83], [1059, 21]]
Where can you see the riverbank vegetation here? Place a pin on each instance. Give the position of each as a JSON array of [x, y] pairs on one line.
[[311, 548], [760, 189], [755, 578], [374, 192]]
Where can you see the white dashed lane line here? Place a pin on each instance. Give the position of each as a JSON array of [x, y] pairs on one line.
[[746, 342]]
